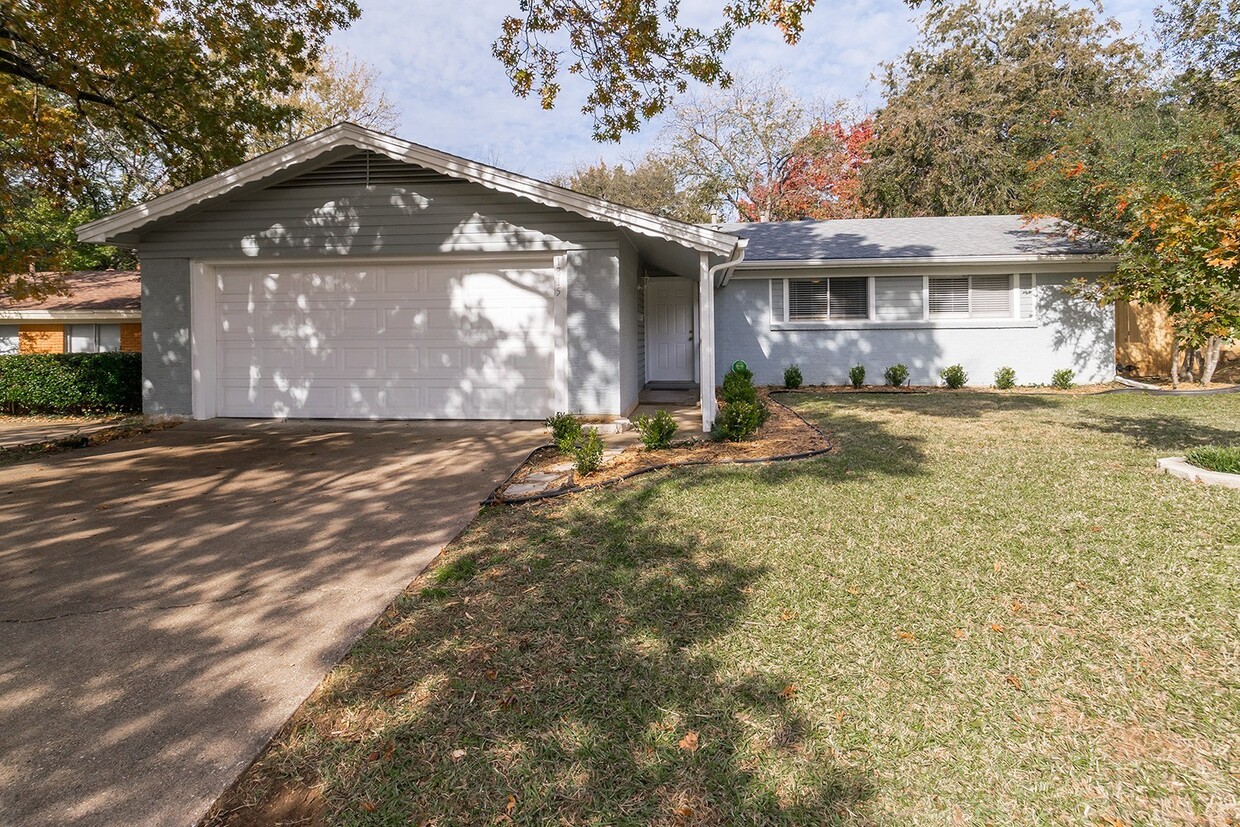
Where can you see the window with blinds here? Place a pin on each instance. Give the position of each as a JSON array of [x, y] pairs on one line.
[[903, 298], [834, 299]]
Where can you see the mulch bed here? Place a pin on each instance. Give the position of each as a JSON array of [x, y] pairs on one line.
[[784, 436]]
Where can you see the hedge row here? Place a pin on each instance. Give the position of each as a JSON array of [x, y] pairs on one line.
[[65, 383]]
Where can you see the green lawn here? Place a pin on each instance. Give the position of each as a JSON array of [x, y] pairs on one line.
[[985, 609]]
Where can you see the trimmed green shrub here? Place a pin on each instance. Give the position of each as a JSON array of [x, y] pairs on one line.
[[792, 377], [738, 387], [737, 421], [1063, 379], [954, 376], [565, 431], [896, 375], [656, 431], [71, 382], [1214, 458], [1005, 378], [588, 452], [856, 375]]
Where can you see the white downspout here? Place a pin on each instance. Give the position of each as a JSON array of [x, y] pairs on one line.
[[706, 326]]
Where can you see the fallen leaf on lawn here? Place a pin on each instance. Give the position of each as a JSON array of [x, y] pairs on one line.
[[998, 565], [903, 635], [492, 674], [854, 590], [690, 742], [511, 806], [374, 756], [624, 621], [1017, 607], [996, 627], [394, 692], [458, 754], [788, 691], [786, 616], [839, 717], [369, 806], [1095, 528], [390, 751], [683, 812], [1014, 682], [959, 634]]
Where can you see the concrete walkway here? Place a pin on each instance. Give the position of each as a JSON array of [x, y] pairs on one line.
[[16, 431], [167, 601]]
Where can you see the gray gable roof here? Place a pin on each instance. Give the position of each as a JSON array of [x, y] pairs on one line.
[[954, 237]]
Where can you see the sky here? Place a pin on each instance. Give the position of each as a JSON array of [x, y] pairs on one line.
[[435, 64]]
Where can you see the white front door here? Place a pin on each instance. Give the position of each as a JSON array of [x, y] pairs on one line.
[[669, 330]]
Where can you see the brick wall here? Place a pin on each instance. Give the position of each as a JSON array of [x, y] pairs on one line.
[[41, 338], [131, 338]]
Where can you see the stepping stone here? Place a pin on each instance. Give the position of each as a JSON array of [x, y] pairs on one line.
[[542, 477], [524, 489], [560, 468]]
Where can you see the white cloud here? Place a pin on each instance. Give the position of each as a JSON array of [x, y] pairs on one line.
[[436, 65]]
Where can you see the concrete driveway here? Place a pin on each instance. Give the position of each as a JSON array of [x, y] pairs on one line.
[[167, 601]]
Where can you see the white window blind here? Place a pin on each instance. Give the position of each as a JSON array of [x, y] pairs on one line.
[[849, 298], [991, 297], [835, 299], [949, 298], [93, 338], [10, 341], [898, 298]]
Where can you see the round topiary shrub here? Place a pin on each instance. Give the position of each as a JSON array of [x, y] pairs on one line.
[[954, 376]]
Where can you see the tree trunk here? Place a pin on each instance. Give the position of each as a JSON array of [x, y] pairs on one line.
[[1214, 348], [1175, 362]]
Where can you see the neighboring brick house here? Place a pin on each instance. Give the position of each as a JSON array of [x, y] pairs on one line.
[[101, 313]]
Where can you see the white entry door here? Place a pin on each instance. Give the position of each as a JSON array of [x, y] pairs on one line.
[[474, 340], [669, 330]]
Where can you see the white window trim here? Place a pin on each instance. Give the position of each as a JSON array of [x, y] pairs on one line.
[[68, 346], [926, 322]]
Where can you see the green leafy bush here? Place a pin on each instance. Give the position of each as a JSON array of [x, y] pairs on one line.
[[954, 376], [896, 375], [738, 387], [1005, 378], [1063, 379], [792, 377], [588, 452], [565, 431], [856, 375], [737, 421], [71, 382], [656, 431], [1214, 458]]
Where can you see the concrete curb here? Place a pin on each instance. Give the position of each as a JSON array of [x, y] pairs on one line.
[[1185, 470]]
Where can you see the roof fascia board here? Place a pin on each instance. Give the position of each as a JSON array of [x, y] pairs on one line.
[[1102, 261]]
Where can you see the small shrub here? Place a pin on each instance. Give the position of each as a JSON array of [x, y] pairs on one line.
[[856, 375], [792, 377], [565, 431], [896, 375], [1005, 378], [1214, 458], [656, 431], [738, 387], [954, 376], [71, 382], [588, 452], [1062, 379], [737, 421]]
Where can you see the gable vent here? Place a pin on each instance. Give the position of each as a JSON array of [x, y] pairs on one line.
[[366, 169]]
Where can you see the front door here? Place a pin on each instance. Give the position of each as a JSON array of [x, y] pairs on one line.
[[669, 330]]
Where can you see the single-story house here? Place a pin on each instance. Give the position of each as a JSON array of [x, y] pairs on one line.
[[354, 274], [100, 313]]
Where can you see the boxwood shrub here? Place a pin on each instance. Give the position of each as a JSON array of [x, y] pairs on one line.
[[70, 383]]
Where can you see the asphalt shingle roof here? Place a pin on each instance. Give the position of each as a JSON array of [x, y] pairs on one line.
[[895, 238], [91, 290]]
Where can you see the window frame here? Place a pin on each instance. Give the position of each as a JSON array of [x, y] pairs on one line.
[[1015, 317], [16, 336], [96, 331]]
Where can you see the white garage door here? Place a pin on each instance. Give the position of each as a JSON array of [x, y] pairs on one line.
[[435, 341]]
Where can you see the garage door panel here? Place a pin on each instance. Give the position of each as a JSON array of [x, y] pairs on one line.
[[394, 341]]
